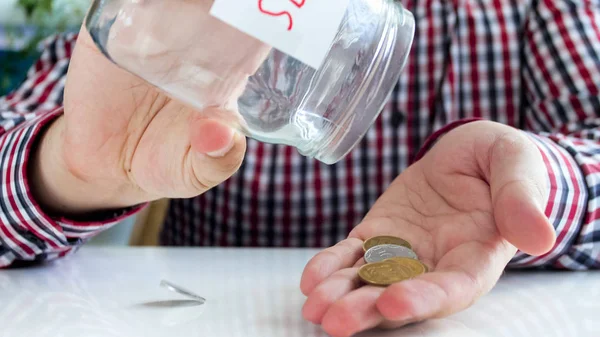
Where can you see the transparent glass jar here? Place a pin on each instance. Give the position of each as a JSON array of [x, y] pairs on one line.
[[267, 95]]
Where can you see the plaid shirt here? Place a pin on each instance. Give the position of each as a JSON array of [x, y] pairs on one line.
[[531, 64]]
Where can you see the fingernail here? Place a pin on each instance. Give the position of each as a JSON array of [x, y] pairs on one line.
[[225, 149]]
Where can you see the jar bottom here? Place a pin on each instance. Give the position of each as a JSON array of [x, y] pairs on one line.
[[395, 45]]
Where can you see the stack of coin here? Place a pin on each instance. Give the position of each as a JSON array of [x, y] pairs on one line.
[[389, 259]]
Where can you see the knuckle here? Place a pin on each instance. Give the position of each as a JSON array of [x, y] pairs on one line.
[[345, 247], [212, 171], [510, 144], [346, 313], [201, 183], [321, 295], [201, 180], [312, 267], [335, 255], [314, 270], [353, 241], [228, 165], [206, 178]]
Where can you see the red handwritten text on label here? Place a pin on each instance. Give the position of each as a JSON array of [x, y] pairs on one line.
[[297, 3]]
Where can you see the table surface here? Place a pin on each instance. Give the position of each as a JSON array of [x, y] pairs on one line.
[[254, 293]]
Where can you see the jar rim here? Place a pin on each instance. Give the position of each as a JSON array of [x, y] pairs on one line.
[[366, 106]]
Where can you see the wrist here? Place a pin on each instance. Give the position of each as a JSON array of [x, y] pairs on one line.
[[437, 135], [58, 189]]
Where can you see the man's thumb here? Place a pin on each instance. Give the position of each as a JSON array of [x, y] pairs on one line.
[[217, 149], [518, 182]]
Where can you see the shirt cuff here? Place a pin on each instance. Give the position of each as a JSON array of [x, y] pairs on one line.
[[26, 232], [567, 202]]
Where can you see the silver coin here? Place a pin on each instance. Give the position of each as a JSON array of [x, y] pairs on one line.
[[382, 252]]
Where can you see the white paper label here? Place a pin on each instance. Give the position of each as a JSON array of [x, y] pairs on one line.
[[303, 29]]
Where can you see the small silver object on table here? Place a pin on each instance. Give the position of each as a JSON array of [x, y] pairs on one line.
[[181, 291]]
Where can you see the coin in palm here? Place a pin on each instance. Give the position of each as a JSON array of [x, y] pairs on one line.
[[382, 252], [416, 267], [384, 240], [389, 272]]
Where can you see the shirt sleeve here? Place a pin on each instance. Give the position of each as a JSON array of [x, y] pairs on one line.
[[26, 232], [561, 73]]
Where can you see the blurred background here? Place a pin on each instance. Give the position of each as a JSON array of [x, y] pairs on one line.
[[23, 25]]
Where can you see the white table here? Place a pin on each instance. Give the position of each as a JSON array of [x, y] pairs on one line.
[[253, 293]]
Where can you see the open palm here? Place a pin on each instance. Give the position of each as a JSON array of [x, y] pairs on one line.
[[464, 207]]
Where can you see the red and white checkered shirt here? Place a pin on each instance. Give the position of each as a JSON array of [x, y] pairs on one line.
[[531, 64]]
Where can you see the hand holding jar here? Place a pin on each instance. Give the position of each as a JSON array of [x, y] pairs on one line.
[[156, 89]]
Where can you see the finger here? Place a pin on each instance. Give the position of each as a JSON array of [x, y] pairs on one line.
[[328, 292], [211, 137], [357, 311], [432, 295], [519, 193], [461, 277], [217, 152], [361, 262], [343, 255]]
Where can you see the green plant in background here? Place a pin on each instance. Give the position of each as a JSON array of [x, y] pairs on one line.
[[30, 6], [43, 18]]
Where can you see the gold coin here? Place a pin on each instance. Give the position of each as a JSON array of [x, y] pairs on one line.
[[389, 272], [385, 239], [418, 267]]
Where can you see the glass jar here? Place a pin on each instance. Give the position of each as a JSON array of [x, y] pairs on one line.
[[267, 95]]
